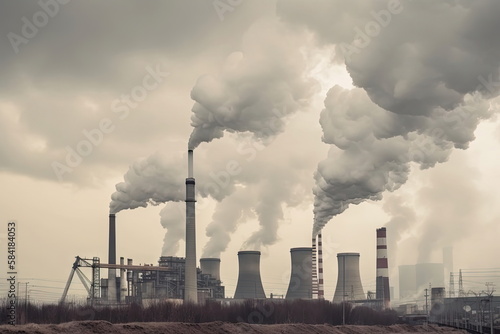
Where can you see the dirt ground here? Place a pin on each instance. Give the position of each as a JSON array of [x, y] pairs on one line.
[[98, 327]]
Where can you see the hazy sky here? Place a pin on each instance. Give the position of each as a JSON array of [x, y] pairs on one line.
[[348, 115]]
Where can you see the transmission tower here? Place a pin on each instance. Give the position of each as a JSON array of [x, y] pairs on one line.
[[452, 285], [461, 292]]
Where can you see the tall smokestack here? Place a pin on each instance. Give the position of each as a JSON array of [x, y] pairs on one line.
[[123, 281], [190, 284], [211, 266], [300, 286], [321, 289], [382, 279], [112, 258], [314, 267], [249, 284], [349, 280]]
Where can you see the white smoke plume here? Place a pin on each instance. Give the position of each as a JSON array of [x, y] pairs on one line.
[[228, 214], [256, 90], [399, 227], [153, 180], [173, 216], [422, 90]]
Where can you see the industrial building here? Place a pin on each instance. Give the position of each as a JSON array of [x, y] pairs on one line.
[[168, 283]]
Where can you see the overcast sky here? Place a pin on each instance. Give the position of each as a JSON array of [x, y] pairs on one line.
[[346, 116]]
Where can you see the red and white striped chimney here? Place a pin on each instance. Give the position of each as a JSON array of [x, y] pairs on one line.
[[321, 290], [382, 279], [314, 267]]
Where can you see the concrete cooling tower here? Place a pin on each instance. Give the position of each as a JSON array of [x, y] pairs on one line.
[[249, 284], [349, 280], [210, 266], [300, 286]]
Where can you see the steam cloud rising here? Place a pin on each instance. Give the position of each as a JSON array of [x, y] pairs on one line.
[[422, 90], [258, 88], [255, 91]]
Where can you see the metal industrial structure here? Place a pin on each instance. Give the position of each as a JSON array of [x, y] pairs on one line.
[[300, 286], [382, 291], [249, 284], [140, 283], [349, 286]]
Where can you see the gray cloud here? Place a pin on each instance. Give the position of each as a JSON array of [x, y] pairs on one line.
[[257, 88], [423, 98]]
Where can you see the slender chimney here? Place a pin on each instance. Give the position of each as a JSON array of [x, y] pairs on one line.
[[314, 268], [382, 279], [211, 266], [300, 286], [249, 284], [123, 281], [112, 259], [130, 278], [190, 283], [321, 290], [349, 280]]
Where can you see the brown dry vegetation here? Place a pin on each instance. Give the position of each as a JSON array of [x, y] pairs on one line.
[[256, 312], [93, 327], [267, 316]]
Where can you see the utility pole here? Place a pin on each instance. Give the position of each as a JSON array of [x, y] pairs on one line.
[[26, 304], [490, 300]]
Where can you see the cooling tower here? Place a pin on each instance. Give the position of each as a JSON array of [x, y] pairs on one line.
[[300, 286], [349, 280], [382, 279], [210, 266], [190, 283], [249, 284], [112, 258]]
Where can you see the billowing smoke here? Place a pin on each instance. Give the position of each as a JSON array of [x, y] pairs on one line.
[[228, 214], [255, 91], [263, 192], [152, 180], [400, 228], [455, 207], [423, 71], [173, 216]]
